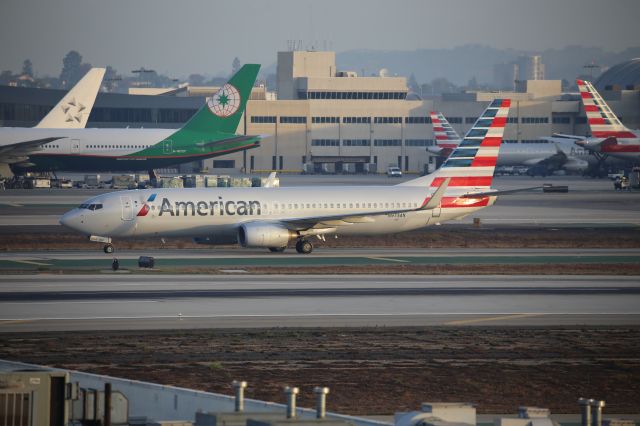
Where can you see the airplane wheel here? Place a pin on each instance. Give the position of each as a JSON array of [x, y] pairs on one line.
[[277, 249], [304, 247], [108, 248]]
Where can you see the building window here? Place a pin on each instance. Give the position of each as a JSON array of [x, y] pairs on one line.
[[581, 120], [387, 120], [224, 164], [351, 95], [454, 120], [325, 142], [417, 120], [535, 120], [418, 142], [263, 119], [323, 120], [293, 120], [470, 120], [356, 120], [512, 120], [356, 142], [387, 142], [561, 120]]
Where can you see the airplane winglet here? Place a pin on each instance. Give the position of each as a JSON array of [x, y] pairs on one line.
[[435, 199], [271, 180]]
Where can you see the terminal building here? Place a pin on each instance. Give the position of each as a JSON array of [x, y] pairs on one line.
[[326, 120]]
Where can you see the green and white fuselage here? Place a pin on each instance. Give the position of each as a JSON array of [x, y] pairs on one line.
[[123, 149]]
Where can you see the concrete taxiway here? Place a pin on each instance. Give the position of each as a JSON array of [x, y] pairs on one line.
[[124, 302], [169, 259]]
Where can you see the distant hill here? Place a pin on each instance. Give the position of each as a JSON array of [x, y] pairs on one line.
[[460, 64]]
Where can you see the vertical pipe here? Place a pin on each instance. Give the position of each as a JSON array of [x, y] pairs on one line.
[[107, 404], [596, 412], [321, 401], [239, 390], [585, 411], [290, 393]]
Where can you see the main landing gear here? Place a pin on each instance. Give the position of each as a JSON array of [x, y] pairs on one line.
[[304, 246], [108, 248]]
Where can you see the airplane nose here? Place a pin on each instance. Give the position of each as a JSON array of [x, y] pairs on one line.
[[72, 220]]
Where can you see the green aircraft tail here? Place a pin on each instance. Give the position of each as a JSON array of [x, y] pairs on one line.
[[222, 112]]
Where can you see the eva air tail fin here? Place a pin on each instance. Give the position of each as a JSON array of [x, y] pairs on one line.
[[72, 112], [223, 110]]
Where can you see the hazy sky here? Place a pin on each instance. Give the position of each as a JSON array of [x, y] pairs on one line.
[[184, 36]]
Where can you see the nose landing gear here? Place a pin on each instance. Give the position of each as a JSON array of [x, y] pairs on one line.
[[108, 248]]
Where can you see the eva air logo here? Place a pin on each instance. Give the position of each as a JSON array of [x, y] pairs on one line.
[[225, 102], [145, 208]]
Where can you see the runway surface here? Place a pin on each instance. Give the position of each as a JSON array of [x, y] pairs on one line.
[[125, 302], [181, 258]]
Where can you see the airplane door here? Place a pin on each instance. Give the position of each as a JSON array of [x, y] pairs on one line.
[[166, 147], [127, 208], [75, 146]]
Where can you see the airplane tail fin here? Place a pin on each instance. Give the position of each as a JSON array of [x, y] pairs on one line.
[[473, 161], [446, 137], [222, 111], [72, 112], [602, 121]]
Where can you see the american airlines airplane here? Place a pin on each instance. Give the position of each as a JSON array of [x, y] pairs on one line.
[[209, 133], [543, 157], [608, 135], [272, 217], [72, 112]]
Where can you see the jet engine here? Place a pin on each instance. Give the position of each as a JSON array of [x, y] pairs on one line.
[[575, 165], [264, 235]]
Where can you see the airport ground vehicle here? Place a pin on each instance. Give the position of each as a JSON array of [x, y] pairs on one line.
[[272, 217], [394, 171]]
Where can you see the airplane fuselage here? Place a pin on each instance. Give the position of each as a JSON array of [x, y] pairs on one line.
[[109, 149], [219, 212]]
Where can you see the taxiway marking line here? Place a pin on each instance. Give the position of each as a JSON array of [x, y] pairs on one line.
[[488, 319], [18, 321], [388, 259], [30, 262]]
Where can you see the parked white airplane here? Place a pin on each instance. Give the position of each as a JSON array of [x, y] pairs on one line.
[[272, 217], [609, 135], [72, 112]]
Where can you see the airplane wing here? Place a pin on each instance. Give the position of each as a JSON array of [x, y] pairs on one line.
[[232, 138], [13, 152], [334, 221], [496, 192]]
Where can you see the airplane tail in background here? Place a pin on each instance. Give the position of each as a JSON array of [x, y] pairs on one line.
[[473, 161], [446, 137], [222, 112], [602, 121], [73, 110]]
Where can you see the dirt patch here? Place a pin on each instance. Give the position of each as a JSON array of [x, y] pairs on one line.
[[369, 370]]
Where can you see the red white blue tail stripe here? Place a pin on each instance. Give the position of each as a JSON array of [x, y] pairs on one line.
[[446, 137], [602, 121], [473, 161]]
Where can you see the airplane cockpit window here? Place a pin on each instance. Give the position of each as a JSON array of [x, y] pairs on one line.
[[91, 207]]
